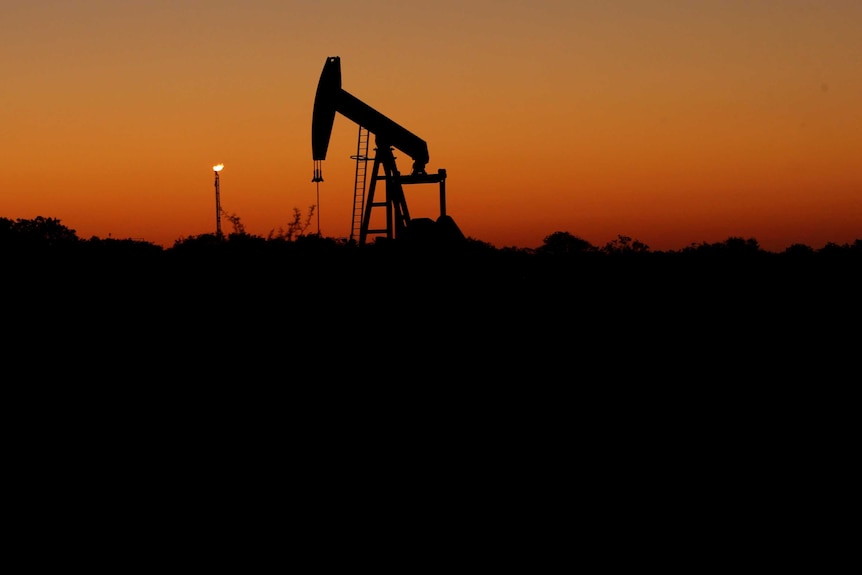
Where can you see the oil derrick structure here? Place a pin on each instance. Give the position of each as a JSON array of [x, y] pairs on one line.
[[330, 99]]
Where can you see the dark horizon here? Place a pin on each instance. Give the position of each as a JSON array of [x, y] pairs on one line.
[[46, 231]]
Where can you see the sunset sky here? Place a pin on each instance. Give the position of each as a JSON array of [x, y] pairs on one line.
[[669, 121]]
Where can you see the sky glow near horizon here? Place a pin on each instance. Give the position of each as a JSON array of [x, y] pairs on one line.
[[672, 122]]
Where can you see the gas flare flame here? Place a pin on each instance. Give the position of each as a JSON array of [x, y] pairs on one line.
[[218, 167]]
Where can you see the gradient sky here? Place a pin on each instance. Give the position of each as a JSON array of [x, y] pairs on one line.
[[669, 121]]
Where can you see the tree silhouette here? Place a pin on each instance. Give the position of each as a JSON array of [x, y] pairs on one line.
[[799, 250], [39, 232], [295, 228], [238, 227], [733, 246], [625, 245], [564, 243]]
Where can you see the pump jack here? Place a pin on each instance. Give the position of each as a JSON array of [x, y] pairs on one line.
[[331, 98]]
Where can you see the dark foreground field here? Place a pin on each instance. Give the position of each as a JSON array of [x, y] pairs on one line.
[[468, 313], [660, 407]]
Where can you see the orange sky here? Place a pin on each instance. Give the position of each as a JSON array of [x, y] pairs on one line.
[[672, 122]]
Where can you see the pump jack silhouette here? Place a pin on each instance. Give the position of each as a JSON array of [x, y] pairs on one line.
[[331, 98]]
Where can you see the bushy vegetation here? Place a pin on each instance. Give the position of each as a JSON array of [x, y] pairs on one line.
[[49, 235], [567, 313]]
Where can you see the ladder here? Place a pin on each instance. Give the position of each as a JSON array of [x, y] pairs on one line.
[[361, 158]]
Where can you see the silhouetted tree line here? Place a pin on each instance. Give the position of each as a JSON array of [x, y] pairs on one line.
[[247, 305], [42, 235]]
